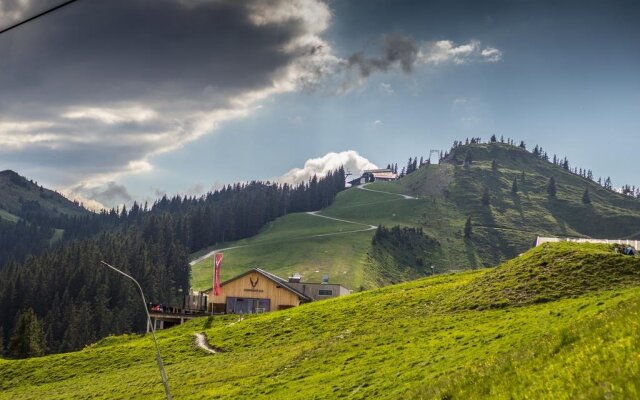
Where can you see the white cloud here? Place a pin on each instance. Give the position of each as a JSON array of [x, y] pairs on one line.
[[386, 88], [491, 54], [444, 51], [112, 116], [351, 160]]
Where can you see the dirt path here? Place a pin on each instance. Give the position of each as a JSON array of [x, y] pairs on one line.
[[405, 196], [209, 254], [315, 214], [201, 342]]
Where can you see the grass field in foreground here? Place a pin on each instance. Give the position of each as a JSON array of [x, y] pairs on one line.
[[414, 340]]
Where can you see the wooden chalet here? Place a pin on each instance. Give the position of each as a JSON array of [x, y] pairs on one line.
[[255, 291]]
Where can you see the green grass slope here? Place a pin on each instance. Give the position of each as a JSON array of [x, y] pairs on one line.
[[446, 194], [303, 243], [8, 216], [420, 339], [509, 225]]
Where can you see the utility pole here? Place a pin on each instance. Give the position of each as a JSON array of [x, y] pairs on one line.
[[163, 375]]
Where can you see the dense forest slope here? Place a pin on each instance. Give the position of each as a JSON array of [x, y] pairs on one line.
[[572, 334], [70, 299]]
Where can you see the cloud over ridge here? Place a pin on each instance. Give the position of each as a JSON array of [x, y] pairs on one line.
[[350, 159]]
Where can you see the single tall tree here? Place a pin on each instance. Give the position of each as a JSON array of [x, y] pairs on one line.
[[514, 186], [486, 199], [468, 229], [551, 187], [468, 159], [586, 199], [28, 339]]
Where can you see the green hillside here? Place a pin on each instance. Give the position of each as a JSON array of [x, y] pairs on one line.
[[557, 322], [19, 195], [447, 194], [311, 245]]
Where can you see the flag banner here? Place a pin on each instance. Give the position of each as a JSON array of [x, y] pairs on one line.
[[216, 279]]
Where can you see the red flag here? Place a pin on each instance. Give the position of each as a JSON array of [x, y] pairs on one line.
[[216, 279]]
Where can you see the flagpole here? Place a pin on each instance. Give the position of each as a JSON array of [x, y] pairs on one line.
[[213, 281]]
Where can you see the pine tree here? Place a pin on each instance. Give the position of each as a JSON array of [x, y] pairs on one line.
[[514, 186], [586, 199], [493, 139], [468, 159], [494, 165], [551, 187], [522, 145], [486, 199], [536, 151], [468, 229], [28, 339]]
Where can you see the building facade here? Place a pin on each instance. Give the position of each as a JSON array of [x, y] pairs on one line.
[[258, 291], [255, 291]]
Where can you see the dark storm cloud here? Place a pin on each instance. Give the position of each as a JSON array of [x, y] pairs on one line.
[[396, 50], [97, 87], [99, 51]]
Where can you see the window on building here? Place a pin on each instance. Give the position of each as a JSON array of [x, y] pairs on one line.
[[325, 292]]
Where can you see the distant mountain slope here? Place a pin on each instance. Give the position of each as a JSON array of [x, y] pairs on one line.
[[20, 196], [503, 226], [420, 339]]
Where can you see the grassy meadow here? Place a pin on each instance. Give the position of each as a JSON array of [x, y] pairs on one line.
[[563, 338]]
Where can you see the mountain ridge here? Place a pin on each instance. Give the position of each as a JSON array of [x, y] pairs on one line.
[[20, 196]]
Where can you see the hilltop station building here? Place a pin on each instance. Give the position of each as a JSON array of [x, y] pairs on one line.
[[373, 175]]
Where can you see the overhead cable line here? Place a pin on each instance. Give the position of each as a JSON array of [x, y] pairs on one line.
[[59, 6]]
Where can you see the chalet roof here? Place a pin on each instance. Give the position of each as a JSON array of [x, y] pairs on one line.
[[373, 171], [385, 174], [274, 278]]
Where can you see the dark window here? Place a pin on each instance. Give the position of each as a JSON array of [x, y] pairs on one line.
[[237, 305], [325, 292]]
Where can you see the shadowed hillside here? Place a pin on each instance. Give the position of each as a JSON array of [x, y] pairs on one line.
[[23, 198]]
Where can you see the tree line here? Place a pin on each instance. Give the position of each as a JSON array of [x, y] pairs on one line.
[[65, 291]]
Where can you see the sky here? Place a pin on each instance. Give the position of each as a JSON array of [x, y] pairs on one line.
[[111, 102]]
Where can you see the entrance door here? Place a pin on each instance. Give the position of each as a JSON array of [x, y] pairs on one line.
[[243, 305]]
